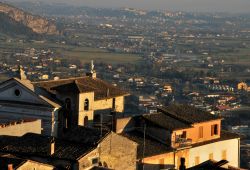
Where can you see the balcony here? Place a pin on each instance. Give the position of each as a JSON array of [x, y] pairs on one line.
[[182, 142]]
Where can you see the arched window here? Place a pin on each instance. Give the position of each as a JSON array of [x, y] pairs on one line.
[[86, 104], [68, 103], [86, 119], [113, 103]]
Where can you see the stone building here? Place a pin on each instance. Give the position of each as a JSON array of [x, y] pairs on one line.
[[61, 104], [82, 148], [179, 131]]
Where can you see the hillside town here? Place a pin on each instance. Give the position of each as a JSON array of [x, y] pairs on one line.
[[79, 123], [85, 88]]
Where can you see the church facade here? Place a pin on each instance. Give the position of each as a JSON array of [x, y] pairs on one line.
[[60, 104]]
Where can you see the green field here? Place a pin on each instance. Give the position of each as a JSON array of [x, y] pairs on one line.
[[84, 54], [241, 57], [114, 58]]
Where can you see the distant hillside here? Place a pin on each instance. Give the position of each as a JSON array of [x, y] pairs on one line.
[[18, 18], [10, 27]]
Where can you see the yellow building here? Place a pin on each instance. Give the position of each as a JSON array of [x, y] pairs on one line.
[[176, 132], [242, 86], [167, 88]]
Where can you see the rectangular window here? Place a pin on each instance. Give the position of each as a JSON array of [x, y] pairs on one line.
[[184, 134], [211, 156], [200, 132], [224, 155], [197, 160], [113, 103], [214, 130], [95, 161], [161, 162]]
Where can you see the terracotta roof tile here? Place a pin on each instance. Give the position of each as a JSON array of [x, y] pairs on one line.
[[165, 121], [101, 88], [66, 148], [188, 114]]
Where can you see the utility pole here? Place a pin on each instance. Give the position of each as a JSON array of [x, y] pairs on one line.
[[144, 136]]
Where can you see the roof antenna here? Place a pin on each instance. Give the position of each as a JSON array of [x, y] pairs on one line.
[[92, 67]]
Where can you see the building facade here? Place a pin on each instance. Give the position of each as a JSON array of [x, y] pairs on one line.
[[61, 104], [176, 132]]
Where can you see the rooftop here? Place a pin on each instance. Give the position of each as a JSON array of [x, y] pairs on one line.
[[6, 121], [29, 86], [73, 86], [66, 148], [165, 121], [211, 164], [188, 114], [5, 160], [101, 88]]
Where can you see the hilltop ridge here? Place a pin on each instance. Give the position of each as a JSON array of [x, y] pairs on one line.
[[37, 24]]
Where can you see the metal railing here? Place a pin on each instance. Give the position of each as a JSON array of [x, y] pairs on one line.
[[182, 142]]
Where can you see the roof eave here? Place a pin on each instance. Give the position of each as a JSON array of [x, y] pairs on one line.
[[110, 97]]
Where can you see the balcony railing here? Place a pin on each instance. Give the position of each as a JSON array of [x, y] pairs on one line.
[[182, 142]]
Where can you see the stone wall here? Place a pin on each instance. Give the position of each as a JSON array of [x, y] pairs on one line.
[[113, 153], [117, 152], [108, 104], [86, 161]]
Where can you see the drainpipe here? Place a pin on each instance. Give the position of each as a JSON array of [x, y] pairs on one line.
[[238, 152], [174, 158], [172, 143]]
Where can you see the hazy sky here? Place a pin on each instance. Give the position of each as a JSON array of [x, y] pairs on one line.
[[184, 5]]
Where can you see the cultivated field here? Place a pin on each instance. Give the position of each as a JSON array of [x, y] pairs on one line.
[[84, 54]]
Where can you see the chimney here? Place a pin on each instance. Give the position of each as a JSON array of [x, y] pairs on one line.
[[182, 166], [92, 72], [52, 146], [10, 166]]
